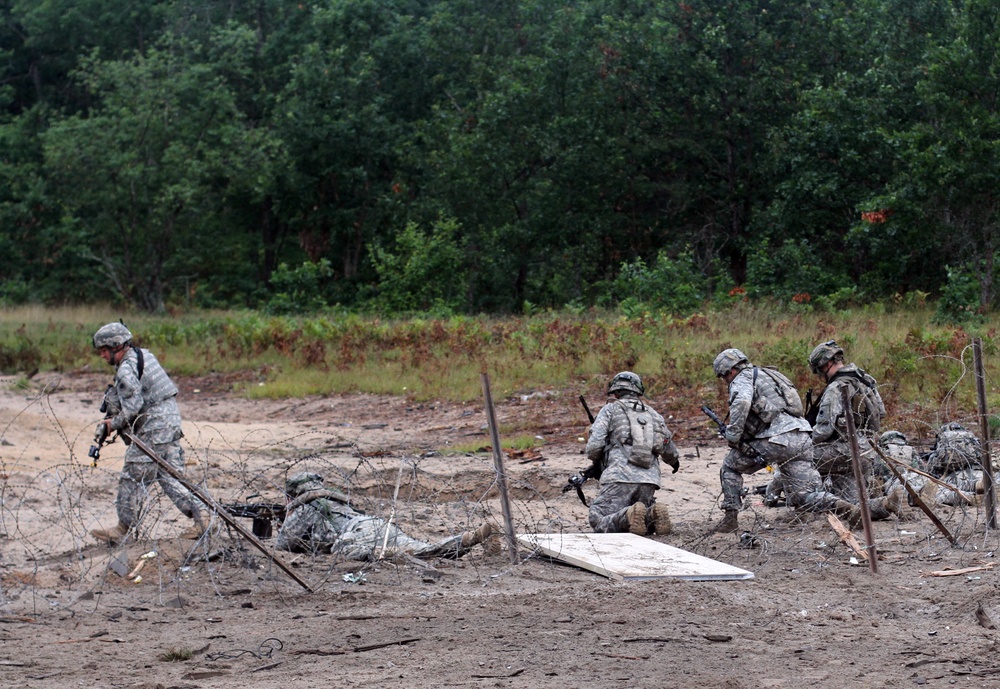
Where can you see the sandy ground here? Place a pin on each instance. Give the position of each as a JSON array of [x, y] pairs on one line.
[[219, 613]]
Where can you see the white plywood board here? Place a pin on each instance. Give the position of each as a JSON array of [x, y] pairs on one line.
[[626, 556]]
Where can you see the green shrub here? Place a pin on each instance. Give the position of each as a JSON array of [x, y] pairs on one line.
[[675, 285], [959, 302]]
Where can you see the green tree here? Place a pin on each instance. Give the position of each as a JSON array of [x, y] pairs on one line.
[[146, 170]]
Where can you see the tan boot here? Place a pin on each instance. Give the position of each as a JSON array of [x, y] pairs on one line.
[[113, 536], [893, 502], [636, 516], [196, 531], [729, 524], [471, 538], [849, 511], [659, 519]]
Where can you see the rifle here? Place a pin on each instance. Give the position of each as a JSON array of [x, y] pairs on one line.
[[707, 411], [812, 408], [593, 471], [743, 447], [102, 432], [262, 514]]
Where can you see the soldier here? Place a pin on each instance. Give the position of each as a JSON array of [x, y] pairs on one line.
[[627, 440], [831, 446], [895, 445], [143, 400], [320, 520], [957, 459], [766, 428]]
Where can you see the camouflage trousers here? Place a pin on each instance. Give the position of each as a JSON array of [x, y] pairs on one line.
[[791, 454], [833, 461], [363, 538], [969, 481], [138, 477], [607, 511]]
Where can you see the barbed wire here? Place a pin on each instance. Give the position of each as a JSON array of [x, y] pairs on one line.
[[50, 564]]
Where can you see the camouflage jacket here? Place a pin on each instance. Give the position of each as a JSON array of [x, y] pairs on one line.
[[831, 421], [146, 405], [609, 436], [748, 402]]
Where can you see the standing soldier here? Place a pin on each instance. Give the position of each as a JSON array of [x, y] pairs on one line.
[[143, 400], [766, 428], [627, 440], [831, 446]]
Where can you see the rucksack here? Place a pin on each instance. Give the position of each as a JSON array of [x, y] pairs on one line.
[[955, 450], [638, 446], [787, 399], [865, 403]]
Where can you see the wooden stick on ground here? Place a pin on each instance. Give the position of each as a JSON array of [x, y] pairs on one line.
[[846, 537]]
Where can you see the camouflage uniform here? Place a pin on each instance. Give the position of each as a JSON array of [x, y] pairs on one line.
[[322, 521], [147, 406], [784, 442], [831, 448], [957, 459], [623, 483]]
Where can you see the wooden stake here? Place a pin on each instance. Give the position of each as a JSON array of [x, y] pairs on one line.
[[984, 432], [914, 494], [866, 516], [491, 418], [211, 503]]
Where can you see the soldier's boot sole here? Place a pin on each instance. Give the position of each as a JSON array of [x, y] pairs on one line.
[[659, 520], [636, 516]]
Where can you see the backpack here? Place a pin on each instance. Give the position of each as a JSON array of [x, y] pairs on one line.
[[787, 400], [638, 446], [866, 405], [955, 450]]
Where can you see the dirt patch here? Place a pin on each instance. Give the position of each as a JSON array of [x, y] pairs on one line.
[[220, 614]]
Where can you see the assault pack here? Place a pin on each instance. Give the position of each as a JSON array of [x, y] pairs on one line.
[[866, 403], [786, 400], [638, 447], [955, 450]]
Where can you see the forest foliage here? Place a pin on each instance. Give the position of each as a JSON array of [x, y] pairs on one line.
[[457, 157]]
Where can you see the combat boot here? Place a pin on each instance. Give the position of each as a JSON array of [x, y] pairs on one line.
[[196, 531], [636, 516], [729, 524], [659, 520], [113, 536], [849, 511], [471, 538], [893, 502]]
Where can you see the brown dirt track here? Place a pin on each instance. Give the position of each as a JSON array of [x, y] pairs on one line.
[[219, 614]]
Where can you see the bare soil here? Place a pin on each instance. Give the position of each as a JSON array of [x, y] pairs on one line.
[[219, 613]]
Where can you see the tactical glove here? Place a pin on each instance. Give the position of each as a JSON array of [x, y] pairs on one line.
[[672, 462]]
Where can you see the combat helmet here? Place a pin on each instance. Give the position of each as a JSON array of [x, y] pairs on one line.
[[303, 482], [112, 335], [626, 381], [891, 438], [823, 353], [727, 360], [951, 426]]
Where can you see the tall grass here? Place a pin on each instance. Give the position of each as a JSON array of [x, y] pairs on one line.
[[925, 370]]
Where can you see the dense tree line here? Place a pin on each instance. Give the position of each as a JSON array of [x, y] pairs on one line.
[[467, 156]]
